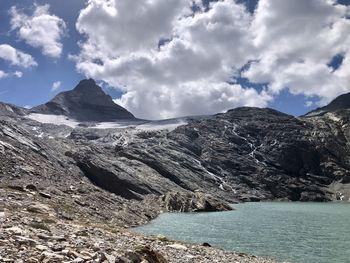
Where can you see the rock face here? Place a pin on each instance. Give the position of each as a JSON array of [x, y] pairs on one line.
[[86, 102], [246, 154], [192, 202]]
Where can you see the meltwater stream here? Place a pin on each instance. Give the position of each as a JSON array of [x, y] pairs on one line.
[[293, 232]]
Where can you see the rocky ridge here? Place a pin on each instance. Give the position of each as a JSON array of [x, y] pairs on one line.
[[342, 102], [86, 102]]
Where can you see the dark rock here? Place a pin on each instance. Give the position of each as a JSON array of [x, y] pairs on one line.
[[206, 244], [45, 195], [47, 237], [31, 187], [16, 187], [193, 202]]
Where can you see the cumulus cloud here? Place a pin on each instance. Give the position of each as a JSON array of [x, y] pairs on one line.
[[40, 30], [170, 60], [16, 57], [56, 85], [296, 41]]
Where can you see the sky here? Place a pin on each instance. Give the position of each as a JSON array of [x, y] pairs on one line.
[[171, 58]]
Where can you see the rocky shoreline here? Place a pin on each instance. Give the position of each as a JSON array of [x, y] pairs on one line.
[[32, 231]]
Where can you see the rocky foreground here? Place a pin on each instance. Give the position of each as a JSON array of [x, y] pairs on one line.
[[32, 231]]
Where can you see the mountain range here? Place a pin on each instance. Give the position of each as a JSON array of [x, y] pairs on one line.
[[245, 154]]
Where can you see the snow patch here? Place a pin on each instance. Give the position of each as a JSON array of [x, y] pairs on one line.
[[315, 113], [9, 108], [156, 126], [169, 125], [333, 117], [113, 125], [148, 126], [53, 119]]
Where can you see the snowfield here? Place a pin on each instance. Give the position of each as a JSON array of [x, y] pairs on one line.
[[53, 119], [169, 125]]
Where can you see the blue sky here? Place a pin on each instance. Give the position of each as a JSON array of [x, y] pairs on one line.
[[35, 85], [125, 67]]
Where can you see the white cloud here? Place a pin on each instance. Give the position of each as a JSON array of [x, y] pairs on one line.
[[16, 57], [186, 75], [3, 74], [289, 45], [309, 103], [56, 85], [137, 25], [296, 40], [40, 30], [18, 74]]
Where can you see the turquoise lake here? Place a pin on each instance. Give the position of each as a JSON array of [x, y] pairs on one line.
[[293, 232]]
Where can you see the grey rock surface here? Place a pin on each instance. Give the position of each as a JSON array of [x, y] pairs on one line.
[[86, 102]]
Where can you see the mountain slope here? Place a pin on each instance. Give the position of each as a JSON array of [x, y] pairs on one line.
[[342, 102], [245, 154], [86, 102]]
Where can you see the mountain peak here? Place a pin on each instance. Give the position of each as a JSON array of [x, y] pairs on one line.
[[86, 102], [87, 84]]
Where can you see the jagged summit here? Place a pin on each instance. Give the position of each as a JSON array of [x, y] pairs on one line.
[[341, 102], [86, 102]]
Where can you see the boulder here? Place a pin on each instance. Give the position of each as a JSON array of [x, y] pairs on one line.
[[193, 202], [39, 208]]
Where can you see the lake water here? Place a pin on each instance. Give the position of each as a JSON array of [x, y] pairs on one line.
[[293, 232]]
